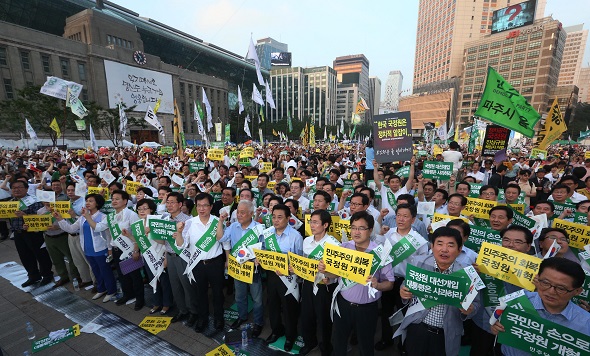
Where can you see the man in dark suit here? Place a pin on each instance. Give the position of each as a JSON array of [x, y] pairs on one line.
[[228, 198], [540, 182], [499, 178]]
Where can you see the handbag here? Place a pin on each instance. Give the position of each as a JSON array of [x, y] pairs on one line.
[[129, 265]]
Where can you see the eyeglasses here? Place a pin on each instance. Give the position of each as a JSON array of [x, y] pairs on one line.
[[507, 241], [545, 285], [488, 193], [358, 228], [203, 205], [559, 239]]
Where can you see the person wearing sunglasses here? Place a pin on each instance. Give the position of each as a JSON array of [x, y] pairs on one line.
[[558, 281]]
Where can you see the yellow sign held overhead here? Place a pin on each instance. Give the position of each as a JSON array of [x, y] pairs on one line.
[[215, 154], [131, 187]]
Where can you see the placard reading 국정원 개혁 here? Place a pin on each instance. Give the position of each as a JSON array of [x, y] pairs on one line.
[[393, 137]]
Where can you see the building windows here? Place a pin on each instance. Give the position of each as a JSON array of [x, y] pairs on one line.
[[518, 57], [530, 72], [494, 52], [466, 96], [481, 64], [468, 88], [3, 61], [470, 65], [468, 81], [469, 74], [517, 74], [533, 54], [46, 63], [536, 35], [24, 60], [471, 58], [519, 65], [515, 83], [82, 70], [465, 111], [522, 38], [483, 47], [526, 90], [508, 42], [506, 59], [532, 63], [181, 89], [472, 50], [504, 67], [520, 47], [117, 41], [535, 44], [8, 88], [529, 81], [65, 67], [479, 80], [482, 55], [84, 95], [496, 44], [493, 62], [190, 91], [506, 50]]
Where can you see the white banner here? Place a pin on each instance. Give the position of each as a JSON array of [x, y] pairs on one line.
[[139, 87], [58, 88]]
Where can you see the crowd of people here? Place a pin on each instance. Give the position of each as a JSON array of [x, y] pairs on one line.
[[292, 194]]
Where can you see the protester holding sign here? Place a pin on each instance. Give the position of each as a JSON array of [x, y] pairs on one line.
[[430, 330], [391, 192], [96, 245], [516, 238], [126, 254], [549, 236], [206, 262], [29, 245], [315, 300], [282, 295], [558, 281], [354, 308], [236, 238]]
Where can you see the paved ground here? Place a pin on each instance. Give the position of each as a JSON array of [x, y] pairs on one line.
[[18, 307]]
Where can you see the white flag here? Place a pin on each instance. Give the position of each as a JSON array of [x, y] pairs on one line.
[[246, 127], [75, 104], [122, 121], [197, 118], [342, 126], [30, 130], [45, 196], [269, 98], [253, 56], [260, 135], [152, 119], [442, 132], [256, 96], [325, 134], [208, 109], [93, 142], [240, 102]]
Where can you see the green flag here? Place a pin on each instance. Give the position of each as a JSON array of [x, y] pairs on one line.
[[80, 125], [227, 132], [473, 136], [289, 121], [502, 104]]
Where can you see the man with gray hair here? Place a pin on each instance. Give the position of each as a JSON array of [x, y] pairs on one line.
[[236, 237]]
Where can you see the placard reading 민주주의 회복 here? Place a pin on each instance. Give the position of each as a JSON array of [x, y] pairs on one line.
[[347, 263], [304, 267], [508, 265], [479, 208], [273, 261]]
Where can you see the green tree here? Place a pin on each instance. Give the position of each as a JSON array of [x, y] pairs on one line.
[[580, 122]]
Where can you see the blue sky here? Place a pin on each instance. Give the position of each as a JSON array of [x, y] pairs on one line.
[[321, 30]]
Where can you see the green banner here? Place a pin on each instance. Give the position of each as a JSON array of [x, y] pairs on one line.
[[195, 166], [80, 125], [522, 220], [493, 291], [166, 150], [503, 105], [161, 229], [585, 295], [449, 289], [437, 170], [403, 172], [217, 144], [533, 334], [559, 208], [404, 248], [227, 133], [581, 218], [245, 162], [479, 235], [216, 196], [46, 342], [474, 191], [138, 232]]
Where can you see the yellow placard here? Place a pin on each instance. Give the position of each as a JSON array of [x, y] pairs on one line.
[[347, 263], [8, 208], [80, 152], [517, 207], [131, 187], [304, 267], [63, 207], [336, 227], [587, 154], [265, 167], [272, 261], [508, 265], [155, 324], [538, 153], [480, 208], [579, 234], [241, 272], [438, 217], [437, 150], [215, 154], [99, 190], [37, 222], [247, 152], [221, 350], [271, 185], [251, 178]]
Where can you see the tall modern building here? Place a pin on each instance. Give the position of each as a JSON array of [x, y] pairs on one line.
[[573, 55], [529, 59], [374, 98], [353, 69], [444, 27], [347, 96], [393, 89], [266, 46], [304, 93], [116, 55], [584, 85]]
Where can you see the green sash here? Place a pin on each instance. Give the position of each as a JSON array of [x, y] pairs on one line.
[[116, 234], [209, 237], [270, 241], [249, 238], [391, 199]]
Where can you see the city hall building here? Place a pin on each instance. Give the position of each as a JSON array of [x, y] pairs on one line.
[[118, 56]]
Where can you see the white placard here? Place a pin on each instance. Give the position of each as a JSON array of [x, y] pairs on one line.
[[45, 196], [138, 86], [178, 180], [426, 208]]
